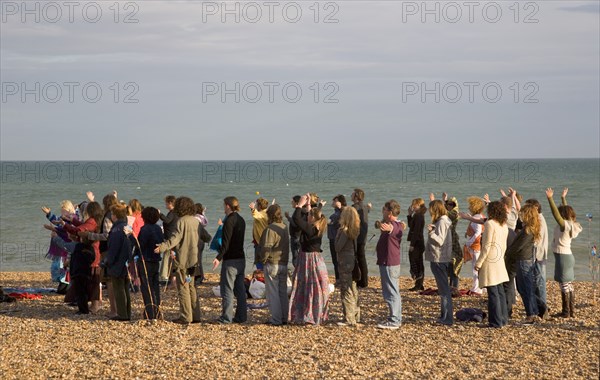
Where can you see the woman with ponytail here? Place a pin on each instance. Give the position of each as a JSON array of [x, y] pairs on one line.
[[310, 291]]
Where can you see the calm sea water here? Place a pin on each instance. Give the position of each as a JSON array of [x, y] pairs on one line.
[[26, 186]]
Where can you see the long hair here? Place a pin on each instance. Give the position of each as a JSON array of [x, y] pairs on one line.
[[418, 205], [531, 220], [567, 212], [437, 209], [274, 214], [108, 202], [319, 220], [94, 210], [350, 222], [496, 211], [135, 205]]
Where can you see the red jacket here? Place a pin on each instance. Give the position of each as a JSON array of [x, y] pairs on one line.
[[89, 225]]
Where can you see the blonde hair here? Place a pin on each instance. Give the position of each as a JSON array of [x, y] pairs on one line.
[[437, 209], [350, 222], [135, 206], [67, 206], [476, 205], [319, 220], [531, 221]]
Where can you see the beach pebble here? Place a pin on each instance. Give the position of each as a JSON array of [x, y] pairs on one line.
[[45, 339]]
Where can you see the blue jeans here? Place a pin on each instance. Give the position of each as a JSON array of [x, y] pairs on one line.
[[497, 306], [440, 272], [276, 292], [257, 249], [526, 285], [539, 275], [391, 291], [232, 284]]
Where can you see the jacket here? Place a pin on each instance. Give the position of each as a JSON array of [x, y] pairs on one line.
[[492, 269], [184, 241], [275, 245], [439, 243], [119, 251]]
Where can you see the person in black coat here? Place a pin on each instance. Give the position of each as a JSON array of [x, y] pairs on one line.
[[416, 224], [80, 270], [119, 252]]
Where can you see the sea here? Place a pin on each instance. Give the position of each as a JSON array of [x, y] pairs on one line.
[[26, 186]]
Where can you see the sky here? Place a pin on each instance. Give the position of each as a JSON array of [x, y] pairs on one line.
[[193, 80]]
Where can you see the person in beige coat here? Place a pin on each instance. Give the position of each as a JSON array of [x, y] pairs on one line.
[[490, 264], [185, 242]]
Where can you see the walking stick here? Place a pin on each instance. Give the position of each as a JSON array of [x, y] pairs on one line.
[[154, 307]]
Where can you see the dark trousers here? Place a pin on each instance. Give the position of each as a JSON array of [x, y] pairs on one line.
[[497, 306], [81, 285], [150, 287], [440, 273], [362, 263], [415, 257], [122, 297], [510, 293], [334, 259]]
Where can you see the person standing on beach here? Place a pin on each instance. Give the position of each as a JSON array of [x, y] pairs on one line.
[[473, 235], [184, 241], [339, 202], [169, 226], [566, 230], [490, 264], [541, 257], [438, 251], [260, 222], [358, 196], [275, 248], [416, 225], [388, 260], [231, 253], [345, 250], [204, 238], [148, 262], [310, 291], [520, 256], [457, 254], [294, 232], [119, 252]]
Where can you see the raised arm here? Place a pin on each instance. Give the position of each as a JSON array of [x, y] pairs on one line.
[[555, 213], [563, 197]]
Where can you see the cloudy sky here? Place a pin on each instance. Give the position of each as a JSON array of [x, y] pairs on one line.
[[291, 80]]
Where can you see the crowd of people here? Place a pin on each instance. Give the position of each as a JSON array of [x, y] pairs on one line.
[[123, 246]]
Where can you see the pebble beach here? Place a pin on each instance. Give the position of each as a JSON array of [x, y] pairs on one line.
[[45, 339]]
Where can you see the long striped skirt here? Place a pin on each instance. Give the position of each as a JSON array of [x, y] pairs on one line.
[[310, 291]]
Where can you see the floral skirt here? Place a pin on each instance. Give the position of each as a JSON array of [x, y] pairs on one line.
[[310, 291]]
